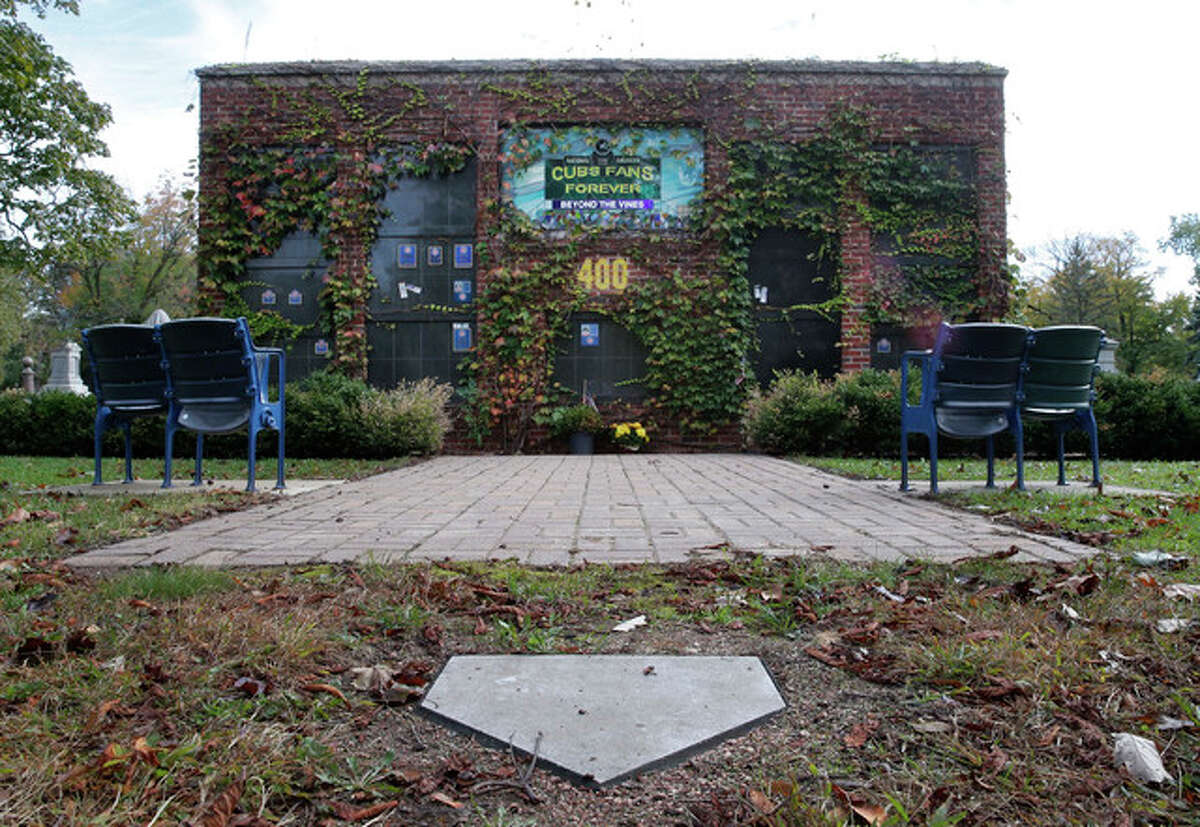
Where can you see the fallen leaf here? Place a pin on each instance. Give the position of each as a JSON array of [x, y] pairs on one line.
[[1068, 613], [18, 515], [1139, 756], [631, 624], [984, 634], [347, 812], [932, 727], [80, 641], [761, 802], [432, 633], [442, 798], [1160, 559], [892, 596], [66, 537], [220, 811], [1190, 591], [133, 503], [251, 687], [34, 650], [1167, 723], [144, 752], [40, 604], [101, 713], [326, 688], [1170, 625], [860, 732], [773, 593], [371, 678], [137, 603], [873, 814], [481, 628]]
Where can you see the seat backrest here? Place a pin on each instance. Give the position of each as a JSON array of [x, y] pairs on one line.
[[208, 360], [126, 365], [979, 365], [1062, 367]]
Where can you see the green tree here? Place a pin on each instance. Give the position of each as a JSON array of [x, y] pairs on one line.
[[1184, 239], [1107, 281], [8, 8], [1071, 289], [154, 265], [50, 201]]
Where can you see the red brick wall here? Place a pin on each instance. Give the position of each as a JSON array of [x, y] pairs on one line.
[[941, 104]]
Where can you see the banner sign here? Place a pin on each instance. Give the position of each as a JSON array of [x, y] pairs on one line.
[[627, 178]]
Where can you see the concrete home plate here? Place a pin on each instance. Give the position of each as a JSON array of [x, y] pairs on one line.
[[603, 718]]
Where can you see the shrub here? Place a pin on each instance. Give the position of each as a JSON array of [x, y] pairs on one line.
[[324, 416], [1148, 417], [411, 418], [871, 404], [798, 414], [1138, 418], [328, 415]]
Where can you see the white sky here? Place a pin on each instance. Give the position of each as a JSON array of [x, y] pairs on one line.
[[1100, 96]]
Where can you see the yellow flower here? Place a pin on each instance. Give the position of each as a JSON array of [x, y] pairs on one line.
[[621, 429]]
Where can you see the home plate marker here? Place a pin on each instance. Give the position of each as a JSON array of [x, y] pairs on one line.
[[603, 718]]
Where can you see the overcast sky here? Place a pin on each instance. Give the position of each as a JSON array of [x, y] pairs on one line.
[[1100, 95]]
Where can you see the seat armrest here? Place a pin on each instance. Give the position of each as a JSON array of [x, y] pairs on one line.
[[263, 358], [925, 358]]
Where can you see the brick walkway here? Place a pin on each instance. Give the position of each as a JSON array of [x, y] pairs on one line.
[[555, 510]]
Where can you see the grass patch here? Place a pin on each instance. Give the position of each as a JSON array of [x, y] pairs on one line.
[[19, 473], [1175, 477], [159, 584], [156, 692], [37, 522]]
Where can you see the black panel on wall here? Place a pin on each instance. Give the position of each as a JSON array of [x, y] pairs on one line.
[[785, 271], [603, 353], [421, 310], [289, 283]]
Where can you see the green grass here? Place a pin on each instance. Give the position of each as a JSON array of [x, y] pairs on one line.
[[160, 584], [966, 632], [1176, 477], [1121, 522], [21, 472], [58, 525]]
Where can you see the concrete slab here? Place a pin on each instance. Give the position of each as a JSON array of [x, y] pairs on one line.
[[142, 488], [603, 718], [661, 508]]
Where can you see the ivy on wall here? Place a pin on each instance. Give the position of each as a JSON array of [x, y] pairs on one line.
[[329, 180], [698, 329]]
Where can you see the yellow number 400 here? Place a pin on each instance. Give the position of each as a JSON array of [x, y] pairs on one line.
[[604, 275]]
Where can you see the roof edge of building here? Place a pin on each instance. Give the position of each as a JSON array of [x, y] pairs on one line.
[[353, 67]]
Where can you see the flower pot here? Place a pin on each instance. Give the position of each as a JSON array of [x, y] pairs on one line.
[[582, 443]]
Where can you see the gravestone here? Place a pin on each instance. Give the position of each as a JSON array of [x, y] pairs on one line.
[[64, 371]]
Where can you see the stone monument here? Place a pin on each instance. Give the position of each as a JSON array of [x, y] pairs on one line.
[[64, 371]]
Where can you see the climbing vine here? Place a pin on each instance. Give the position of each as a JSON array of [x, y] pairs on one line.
[[337, 161], [331, 183]]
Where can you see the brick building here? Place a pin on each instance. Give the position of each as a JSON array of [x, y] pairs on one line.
[[639, 155]]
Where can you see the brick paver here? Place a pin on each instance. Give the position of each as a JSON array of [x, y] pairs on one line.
[[556, 510]]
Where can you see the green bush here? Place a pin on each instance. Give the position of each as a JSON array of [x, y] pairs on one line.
[[327, 416], [871, 404], [798, 414], [324, 416], [412, 418], [859, 414]]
